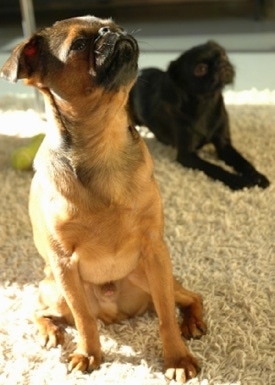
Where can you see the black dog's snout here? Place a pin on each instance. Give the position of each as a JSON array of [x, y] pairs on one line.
[[103, 31]]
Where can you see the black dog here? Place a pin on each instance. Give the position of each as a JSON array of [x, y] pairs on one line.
[[184, 107]]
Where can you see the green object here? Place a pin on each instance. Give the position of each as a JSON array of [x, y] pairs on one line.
[[22, 158]]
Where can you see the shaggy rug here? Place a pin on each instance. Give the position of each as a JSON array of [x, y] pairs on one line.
[[222, 246]]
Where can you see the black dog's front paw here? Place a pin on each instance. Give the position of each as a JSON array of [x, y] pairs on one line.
[[262, 181], [257, 179], [237, 182]]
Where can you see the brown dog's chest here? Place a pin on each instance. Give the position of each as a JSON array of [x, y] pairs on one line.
[[106, 244], [104, 238]]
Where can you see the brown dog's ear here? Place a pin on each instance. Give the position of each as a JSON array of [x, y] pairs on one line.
[[23, 61]]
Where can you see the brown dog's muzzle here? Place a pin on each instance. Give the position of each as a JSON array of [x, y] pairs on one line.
[[116, 57], [104, 45]]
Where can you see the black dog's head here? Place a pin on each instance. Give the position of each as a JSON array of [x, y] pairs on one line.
[[202, 69], [74, 56]]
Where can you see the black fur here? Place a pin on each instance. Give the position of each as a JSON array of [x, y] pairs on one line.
[[184, 107]]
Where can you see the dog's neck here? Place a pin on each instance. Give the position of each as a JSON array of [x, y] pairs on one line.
[[97, 144], [85, 123]]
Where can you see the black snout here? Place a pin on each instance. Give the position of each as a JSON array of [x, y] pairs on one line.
[[226, 72]]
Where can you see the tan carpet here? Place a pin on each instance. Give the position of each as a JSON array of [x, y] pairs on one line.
[[222, 245]]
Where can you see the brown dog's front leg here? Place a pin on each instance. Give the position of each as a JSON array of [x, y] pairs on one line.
[[179, 364], [87, 355]]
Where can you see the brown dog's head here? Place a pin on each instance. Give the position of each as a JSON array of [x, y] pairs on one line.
[[74, 56], [202, 69]]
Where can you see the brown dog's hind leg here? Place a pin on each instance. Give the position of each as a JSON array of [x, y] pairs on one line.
[[190, 305], [50, 332], [53, 310]]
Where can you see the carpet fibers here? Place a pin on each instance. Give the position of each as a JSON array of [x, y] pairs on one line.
[[222, 245]]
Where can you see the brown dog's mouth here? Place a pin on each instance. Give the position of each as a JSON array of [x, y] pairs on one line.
[[115, 59], [106, 46]]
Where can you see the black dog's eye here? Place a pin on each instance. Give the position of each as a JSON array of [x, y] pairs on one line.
[[201, 69], [79, 44]]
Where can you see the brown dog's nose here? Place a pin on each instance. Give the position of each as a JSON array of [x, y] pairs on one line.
[[103, 31]]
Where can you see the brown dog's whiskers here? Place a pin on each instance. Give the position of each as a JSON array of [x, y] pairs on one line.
[[134, 31]]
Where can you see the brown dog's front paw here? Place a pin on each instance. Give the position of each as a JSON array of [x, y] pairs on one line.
[[82, 363], [185, 369]]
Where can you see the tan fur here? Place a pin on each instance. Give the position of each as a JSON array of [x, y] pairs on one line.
[[97, 217]]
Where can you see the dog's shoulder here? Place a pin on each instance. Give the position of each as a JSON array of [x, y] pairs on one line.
[[156, 85], [149, 80]]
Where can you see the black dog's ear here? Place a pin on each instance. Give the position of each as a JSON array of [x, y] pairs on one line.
[[23, 60]]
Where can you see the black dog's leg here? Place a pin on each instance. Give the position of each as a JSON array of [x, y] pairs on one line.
[[187, 144], [233, 158], [192, 160]]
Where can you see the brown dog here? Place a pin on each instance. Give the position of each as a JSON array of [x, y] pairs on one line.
[[94, 205]]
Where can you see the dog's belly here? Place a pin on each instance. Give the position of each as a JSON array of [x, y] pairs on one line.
[[100, 262], [119, 300]]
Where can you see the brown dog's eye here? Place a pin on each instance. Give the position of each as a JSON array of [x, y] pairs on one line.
[[201, 69], [79, 45]]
